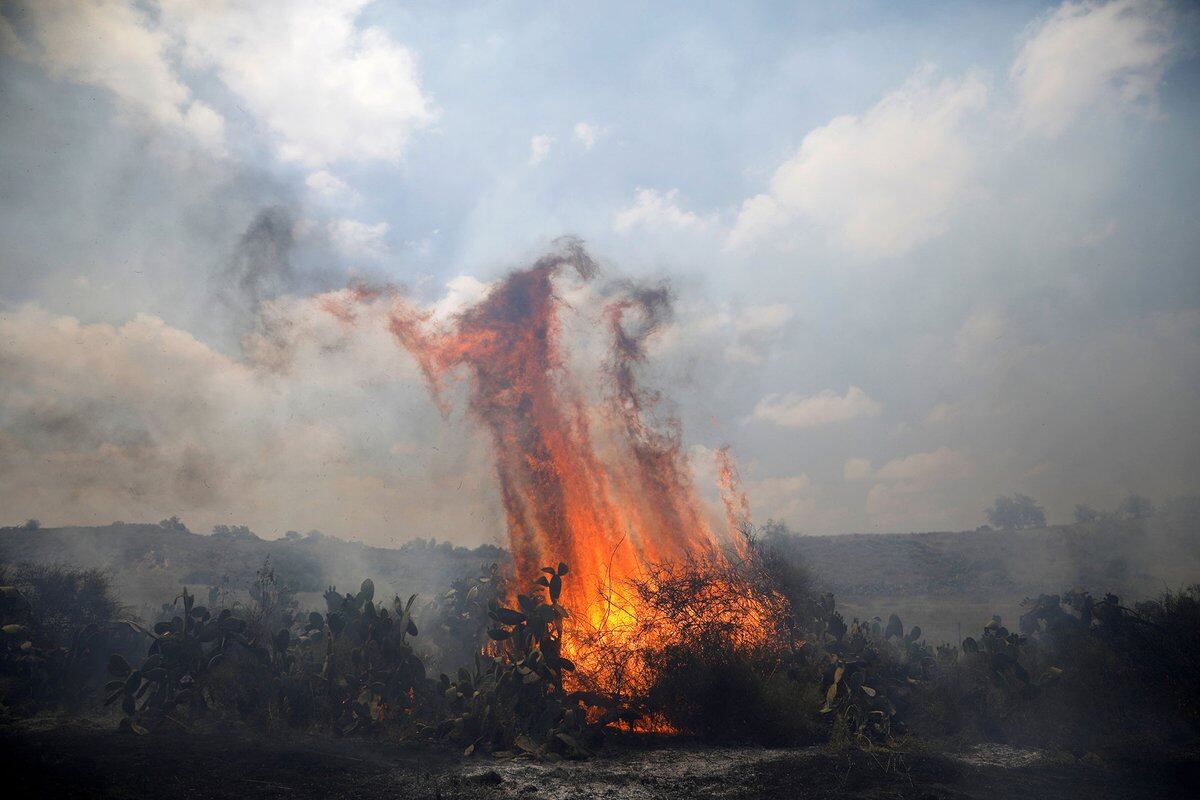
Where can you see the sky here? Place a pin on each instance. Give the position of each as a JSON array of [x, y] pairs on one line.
[[922, 254]]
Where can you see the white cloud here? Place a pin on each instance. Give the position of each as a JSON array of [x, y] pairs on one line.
[[358, 239], [328, 186], [988, 341], [1089, 55], [878, 184], [324, 89], [780, 498], [118, 47], [539, 147], [921, 469], [915, 491], [461, 293], [759, 319], [744, 335], [943, 414], [654, 210], [797, 411], [205, 124], [856, 469], [587, 134]]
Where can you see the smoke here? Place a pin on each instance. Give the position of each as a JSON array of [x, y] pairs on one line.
[[261, 267], [599, 485]]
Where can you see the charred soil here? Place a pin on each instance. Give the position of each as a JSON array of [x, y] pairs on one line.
[[52, 758]]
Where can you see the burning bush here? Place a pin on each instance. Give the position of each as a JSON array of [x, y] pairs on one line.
[[706, 646]]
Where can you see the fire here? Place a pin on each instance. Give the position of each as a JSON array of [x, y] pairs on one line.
[[597, 485]]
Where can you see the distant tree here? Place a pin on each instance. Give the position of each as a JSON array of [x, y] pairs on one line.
[[1135, 506], [31, 524], [1086, 514], [173, 524], [235, 532], [1018, 511]]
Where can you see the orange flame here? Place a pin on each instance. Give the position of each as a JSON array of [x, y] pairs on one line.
[[601, 488], [737, 506]]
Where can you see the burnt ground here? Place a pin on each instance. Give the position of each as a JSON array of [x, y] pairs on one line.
[[53, 759]]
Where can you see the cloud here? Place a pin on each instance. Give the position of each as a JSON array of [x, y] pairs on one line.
[[140, 421], [587, 134], [118, 47], [328, 186], [788, 498], [856, 469], [797, 411], [744, 335], [943, 414], [923, 469], [780, 498], [358, 239], [761, 319], [654, 210], [324, 89], [914, 491], [878, 184], [462, 292], [539, 148], [988, 341], [1091, 55]]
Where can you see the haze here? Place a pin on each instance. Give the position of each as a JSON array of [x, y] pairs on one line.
[[921, 255]]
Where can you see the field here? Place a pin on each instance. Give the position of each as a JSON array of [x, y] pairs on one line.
[[1122, 720], [93, 762]]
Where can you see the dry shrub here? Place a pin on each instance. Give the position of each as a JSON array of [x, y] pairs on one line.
[[1124, 682], [64, 599], [708, 653]]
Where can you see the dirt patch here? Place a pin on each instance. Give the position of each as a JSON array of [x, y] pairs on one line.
[[52, 759]]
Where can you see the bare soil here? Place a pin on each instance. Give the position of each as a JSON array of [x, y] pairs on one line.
[[50, 758]]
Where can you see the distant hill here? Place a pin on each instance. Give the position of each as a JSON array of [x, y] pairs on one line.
[[150, 563], [950, 583], [1133, 557], [939, 580]]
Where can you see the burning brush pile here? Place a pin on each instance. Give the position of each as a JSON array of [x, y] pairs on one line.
[[626, 607], [586, 477]]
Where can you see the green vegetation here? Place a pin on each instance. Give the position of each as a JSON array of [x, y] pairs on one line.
[[755, 653]]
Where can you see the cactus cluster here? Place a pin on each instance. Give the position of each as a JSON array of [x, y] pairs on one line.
[[514, 699], [45, 670]]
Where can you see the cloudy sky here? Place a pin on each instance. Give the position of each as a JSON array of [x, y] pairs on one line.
[[922, 253]]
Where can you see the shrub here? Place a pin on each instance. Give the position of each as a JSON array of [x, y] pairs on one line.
[[709, 688]]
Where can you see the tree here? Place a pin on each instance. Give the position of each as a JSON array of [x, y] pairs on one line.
[[1018, 511], [31, 524], [235, 533], [1086, 514], [173, 524], [1135, 506]]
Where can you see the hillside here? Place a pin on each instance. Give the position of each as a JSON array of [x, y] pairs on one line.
[[950, 582], [150, 562], [945, 581]]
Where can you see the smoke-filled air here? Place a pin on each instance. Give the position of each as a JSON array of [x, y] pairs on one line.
[[772, 399]]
